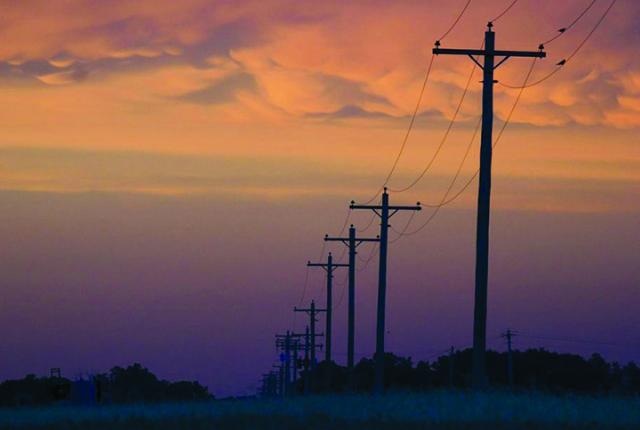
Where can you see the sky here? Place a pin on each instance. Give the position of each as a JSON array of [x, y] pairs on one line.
[[168, 168]]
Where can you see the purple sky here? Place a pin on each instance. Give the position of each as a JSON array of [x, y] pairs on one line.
[[168, 167], [195, 287]]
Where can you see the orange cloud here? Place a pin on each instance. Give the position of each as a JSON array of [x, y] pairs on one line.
[[308, 80]]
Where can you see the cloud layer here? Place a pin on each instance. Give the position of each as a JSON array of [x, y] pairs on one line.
[[300, 58]]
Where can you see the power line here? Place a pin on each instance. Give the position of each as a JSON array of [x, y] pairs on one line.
[[593, 30], [560, 65], [445, 201], [563, 30], [368, 259], [306, 278], [409, 129], [457, 20], [455, 178], [417, 107], [444, 137], [504, 12], [342, 284], [369, 224]]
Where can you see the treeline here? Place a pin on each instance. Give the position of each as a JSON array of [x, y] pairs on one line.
[[133, 384], [534, 369]]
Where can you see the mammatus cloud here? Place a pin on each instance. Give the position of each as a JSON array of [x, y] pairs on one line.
[[65, 77], [306, 58]]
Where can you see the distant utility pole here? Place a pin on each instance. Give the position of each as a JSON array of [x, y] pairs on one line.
[[284, 342], [295, 347], [312, 311], [329, 267], [484, 190], [292, 344], [385, 212], [307, 340], [509, 336], [306, 345], [280, 386], [352, 242]]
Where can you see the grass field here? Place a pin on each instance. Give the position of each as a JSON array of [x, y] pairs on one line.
[[434, 410]]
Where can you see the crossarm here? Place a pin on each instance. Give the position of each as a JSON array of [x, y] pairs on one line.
[[484, 52]]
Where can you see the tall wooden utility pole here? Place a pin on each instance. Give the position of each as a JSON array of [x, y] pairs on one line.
[[385, 212], [509, 336], [352, 242], [329, 267], [489, 53]]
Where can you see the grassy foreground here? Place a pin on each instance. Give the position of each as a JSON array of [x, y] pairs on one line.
[[434, 410]]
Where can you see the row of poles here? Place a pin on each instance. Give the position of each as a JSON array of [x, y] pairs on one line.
[[385, 211], [282, 381]]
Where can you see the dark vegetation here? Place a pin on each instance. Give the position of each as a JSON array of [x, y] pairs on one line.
[[133, 384], [534, 369]]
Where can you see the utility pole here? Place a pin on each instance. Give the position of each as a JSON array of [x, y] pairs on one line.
[[307, 340], [385, 212], [352, 242], [312, 311], [284, 342], [509, 336], [293, 347], [280, 384], [484, 189], [329, 267], [306, 348]]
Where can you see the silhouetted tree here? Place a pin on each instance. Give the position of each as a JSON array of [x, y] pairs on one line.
[[133, 384], [533, 369]]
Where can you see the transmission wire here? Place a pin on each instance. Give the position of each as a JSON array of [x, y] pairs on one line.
[[417, 108], [563, 30], [457, 20], [560, 65], [409, 129], [444, 137], [444, 201], [361, 230], [504, 12]]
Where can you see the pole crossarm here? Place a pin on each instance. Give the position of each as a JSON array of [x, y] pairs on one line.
[[485, 52], [296, 309], [345, 240], [376, 208], [326, 266]]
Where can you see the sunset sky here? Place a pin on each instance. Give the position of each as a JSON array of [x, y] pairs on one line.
[[168, 167]]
